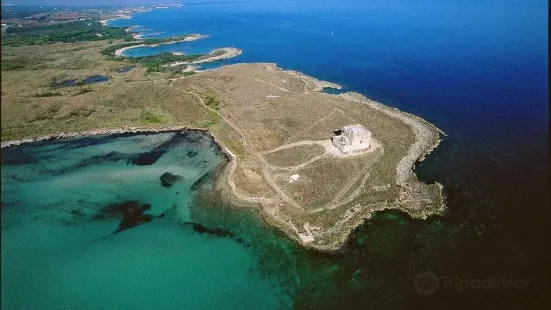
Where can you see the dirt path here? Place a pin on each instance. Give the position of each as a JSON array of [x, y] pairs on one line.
[[268, 83], [266, 167]]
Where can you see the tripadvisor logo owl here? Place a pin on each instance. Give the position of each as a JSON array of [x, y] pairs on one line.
[[426, 283]]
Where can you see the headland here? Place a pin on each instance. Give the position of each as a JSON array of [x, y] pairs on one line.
[[275, 126]]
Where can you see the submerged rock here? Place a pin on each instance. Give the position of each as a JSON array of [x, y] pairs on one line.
[[147, 158], [168, 179], [151, 157], [130, 211], [17, 157], [213, 232]]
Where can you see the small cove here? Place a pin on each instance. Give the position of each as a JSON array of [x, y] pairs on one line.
[[333, 91]]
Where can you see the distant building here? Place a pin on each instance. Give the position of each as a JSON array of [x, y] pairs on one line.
[[352, 138]]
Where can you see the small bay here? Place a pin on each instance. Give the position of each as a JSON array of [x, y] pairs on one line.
[[61, 248]]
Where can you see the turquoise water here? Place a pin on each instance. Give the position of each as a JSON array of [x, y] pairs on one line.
[[57, 253]]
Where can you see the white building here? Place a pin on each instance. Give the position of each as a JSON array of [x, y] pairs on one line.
[[352, 138]]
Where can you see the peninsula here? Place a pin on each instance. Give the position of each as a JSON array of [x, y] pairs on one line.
[[276, 126]]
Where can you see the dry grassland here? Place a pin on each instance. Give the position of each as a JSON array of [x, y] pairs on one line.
[[276, 113], [31, 106]]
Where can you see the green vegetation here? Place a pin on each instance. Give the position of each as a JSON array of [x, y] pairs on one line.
[[83, 91], [15, 63], [203, 124], [47, 94], [217, 53], [62, 32], [154, 116], [32, 104], [212, 102], [79, 113], [153, 63], [164, 40], [148, 116], [156, 63]]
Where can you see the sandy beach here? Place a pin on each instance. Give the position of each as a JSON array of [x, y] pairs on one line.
[[120, 51]]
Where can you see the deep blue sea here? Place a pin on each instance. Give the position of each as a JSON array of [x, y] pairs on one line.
[[476, 69]]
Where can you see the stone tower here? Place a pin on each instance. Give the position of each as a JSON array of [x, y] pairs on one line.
[[352, 138]]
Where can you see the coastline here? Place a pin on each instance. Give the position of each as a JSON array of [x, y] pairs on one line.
[[105, 22], [427, 138], [188, 38], [95, 132], [229, 52]]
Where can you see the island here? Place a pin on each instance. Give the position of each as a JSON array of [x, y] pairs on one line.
[[313, 165]]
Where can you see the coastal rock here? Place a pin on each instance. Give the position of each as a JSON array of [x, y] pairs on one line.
[[211, 231]]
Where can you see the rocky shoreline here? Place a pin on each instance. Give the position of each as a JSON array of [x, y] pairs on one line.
[[427, 137], [97, 132]]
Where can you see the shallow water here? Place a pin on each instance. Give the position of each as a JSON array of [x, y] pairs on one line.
[[95, 79], [66, 83], [211, 65], [59, 251]]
